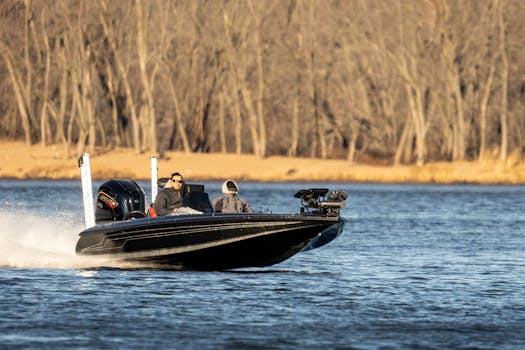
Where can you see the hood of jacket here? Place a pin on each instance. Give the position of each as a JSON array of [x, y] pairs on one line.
[[230, 187]]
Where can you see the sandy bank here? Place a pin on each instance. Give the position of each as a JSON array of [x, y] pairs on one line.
[[21, 162]]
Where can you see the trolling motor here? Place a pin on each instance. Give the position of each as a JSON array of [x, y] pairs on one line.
[[316, 201]]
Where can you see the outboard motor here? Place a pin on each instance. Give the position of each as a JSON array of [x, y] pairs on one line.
[[120, 200]]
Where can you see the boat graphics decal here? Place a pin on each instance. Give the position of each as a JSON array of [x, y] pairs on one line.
[[113, 243], [107, 199]]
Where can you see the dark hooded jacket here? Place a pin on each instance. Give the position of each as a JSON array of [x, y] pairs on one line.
[[167, 200]]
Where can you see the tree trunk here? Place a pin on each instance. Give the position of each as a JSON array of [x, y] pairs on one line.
[[44, 130], [60, 120], [504, 86], [114, 108], [460, 135], [483, 114], [17, 88], [92, 130], [239, 84], [261, 125], [292, 151], [406, 136], [238, 122], [149, 108], [222, 132], [178, 115], [414, 102], [27, 60], [130, 101], [78, 113], [314, 101], [247, 98], [354, 134]]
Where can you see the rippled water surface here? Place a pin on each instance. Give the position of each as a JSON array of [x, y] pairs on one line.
[[417, 267]]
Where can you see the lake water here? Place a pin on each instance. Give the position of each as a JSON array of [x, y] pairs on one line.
[[417, 267]]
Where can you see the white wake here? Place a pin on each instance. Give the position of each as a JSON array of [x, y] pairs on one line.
[[31, 241]]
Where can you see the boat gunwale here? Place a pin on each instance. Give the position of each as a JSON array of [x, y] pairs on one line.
[[169, 220]]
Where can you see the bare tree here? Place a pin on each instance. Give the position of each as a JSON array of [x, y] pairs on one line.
[[357, 79], [110, 36], [237, 66], [504, 83], [18, 91]]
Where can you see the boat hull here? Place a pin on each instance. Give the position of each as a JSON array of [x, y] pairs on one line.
[[209, 241]]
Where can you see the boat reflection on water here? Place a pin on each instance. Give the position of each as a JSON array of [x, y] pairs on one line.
[[199, 238]]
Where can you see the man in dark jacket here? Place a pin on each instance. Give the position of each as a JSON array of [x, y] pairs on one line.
[[170, 198], [230, 201]]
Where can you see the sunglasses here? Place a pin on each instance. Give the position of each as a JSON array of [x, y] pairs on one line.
[[177, 181]]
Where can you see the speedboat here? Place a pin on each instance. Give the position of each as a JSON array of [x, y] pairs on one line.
[[198, 238]]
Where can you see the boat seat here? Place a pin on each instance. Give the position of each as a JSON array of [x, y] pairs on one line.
[[199, 201], [188, 188], [163, 182]]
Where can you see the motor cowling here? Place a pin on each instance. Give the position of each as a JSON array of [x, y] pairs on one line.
[[120, 200]]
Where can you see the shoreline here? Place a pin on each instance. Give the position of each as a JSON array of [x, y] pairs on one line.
[[19, 161]]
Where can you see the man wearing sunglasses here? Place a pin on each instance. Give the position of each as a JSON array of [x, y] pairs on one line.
[[170, 198]]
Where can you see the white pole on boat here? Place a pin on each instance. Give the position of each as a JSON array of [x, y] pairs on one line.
[[87, 190], [154, 186]]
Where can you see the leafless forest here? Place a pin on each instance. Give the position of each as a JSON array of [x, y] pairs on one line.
[[383, 81]]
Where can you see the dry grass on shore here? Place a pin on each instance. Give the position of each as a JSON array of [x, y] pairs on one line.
[[20, 161]]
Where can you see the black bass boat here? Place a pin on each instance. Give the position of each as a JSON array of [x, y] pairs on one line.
[[200, 238]]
